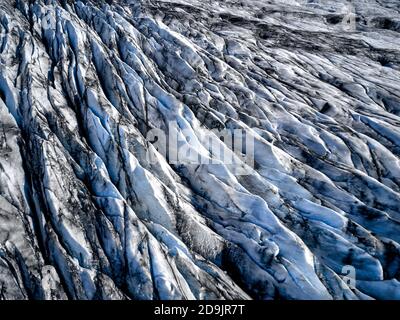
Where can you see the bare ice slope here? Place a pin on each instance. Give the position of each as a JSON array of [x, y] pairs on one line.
[[92, 205]]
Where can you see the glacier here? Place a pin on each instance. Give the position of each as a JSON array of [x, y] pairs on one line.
[[92, 208]]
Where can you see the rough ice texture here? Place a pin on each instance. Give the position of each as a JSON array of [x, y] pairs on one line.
[[85, 215]]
